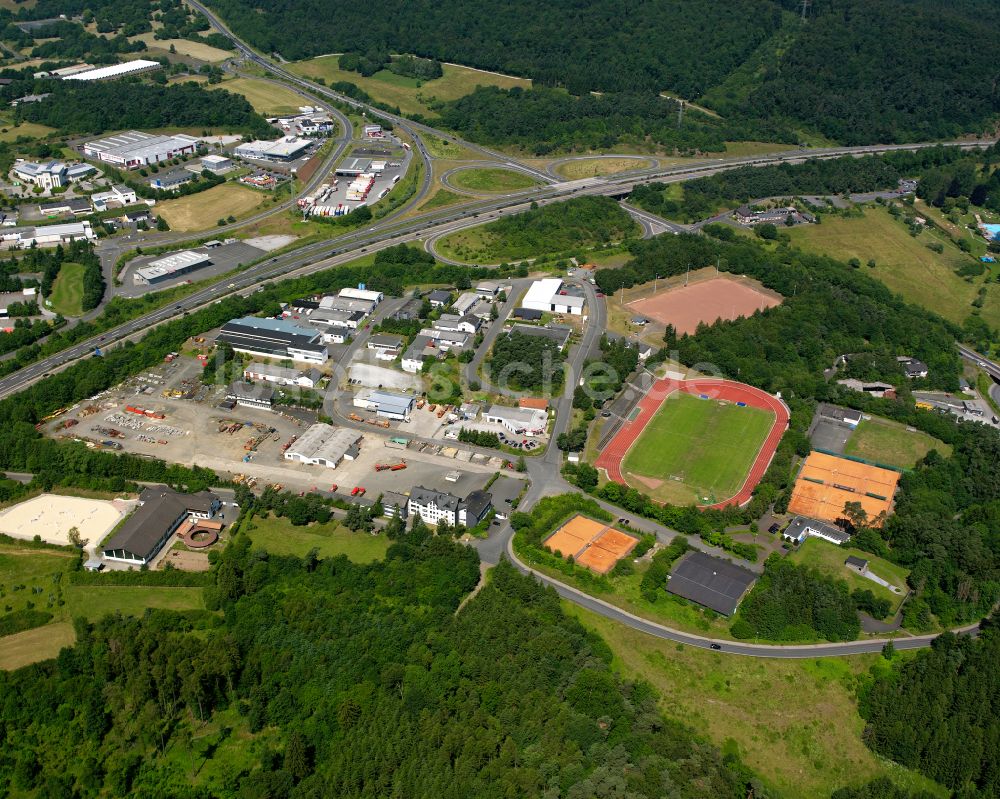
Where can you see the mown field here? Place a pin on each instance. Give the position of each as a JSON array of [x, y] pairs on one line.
[[280, 536], [409, 94], [594, 167], [67, 290], [795, 722], [696, 450], [891, 443], [39, 579], [202, 211], [903, 262], [269, 99], [490, 180], [199, 50]]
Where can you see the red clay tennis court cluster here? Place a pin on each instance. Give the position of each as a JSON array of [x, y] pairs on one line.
[[591, 543], [614, 453]]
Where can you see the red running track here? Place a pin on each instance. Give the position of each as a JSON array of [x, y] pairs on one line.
[[611, 458]]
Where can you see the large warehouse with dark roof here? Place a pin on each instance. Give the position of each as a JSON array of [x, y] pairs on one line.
[[712, 582]]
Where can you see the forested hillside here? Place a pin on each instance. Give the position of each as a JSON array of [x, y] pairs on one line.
[[855, 70], [327, 678], [937, 713]]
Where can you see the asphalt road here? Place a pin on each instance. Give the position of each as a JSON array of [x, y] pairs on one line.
[[544, 469]]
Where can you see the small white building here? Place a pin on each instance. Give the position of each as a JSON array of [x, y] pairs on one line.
[[282, 375], [117, 196], [548, 294], [217, 164], [374, 297]]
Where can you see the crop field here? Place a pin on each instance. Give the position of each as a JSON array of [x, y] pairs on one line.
[[491, 180], [280, 536], [412, 96], [891, 443], [580, 168], [199, 50], [31, 646], [903, 262], [696, 450], [67, 291], [829, 559], [268, 99], [795, 721], [200, 211]]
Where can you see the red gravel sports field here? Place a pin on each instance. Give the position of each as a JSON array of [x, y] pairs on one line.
[[726, 298]]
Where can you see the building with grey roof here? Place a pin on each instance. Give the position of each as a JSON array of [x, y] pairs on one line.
[[385, 403], [433, 506], [394, 505], [711, 582], [160, 513], [325, 445], [520, 421], [557, 335], [251, 395], [801, 528], [474, 508]]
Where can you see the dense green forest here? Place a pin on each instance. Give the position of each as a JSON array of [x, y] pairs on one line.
[[937, 712], [558, 227], [545, 120], [526, 363], [92, 108], [856, 71], [796, 603], [327, 678]]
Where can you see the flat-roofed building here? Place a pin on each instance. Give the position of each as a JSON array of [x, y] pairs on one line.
[[287, 148], [362, 294], [274, 338], [325, 445], [134, 149], [557, 335], [385, 403], [170, 266], [251, 395], [282, 375], [520, 421], [217, 164], [116, 71], [711, 582]]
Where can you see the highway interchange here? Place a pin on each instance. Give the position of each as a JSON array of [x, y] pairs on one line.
[[544, 469]]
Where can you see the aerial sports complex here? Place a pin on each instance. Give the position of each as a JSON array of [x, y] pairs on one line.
[[705, 441]]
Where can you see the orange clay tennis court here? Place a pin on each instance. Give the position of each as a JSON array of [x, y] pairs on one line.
[[826, 483], [590, 543]]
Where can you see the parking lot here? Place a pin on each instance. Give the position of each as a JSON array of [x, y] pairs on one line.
[[225, 258]]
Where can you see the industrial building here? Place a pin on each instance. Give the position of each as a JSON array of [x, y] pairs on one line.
[[287, 148], [712, 582], [171, 180], [134, 149], [217, 164], [78, 206], [385, 403], [361, 293], [117, 196], [51, 174], [114, 71], [282, 375], [386, 346], [325, 445], [251, 395], [170, 266], [353, 167], [520, 421], [548, 294], [273, 338], [161, 511], [45, 236]]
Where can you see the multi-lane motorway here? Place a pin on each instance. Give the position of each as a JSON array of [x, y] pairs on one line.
[[544, 469]]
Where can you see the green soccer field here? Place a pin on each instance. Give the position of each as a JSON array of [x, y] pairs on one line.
[[696, 450]]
